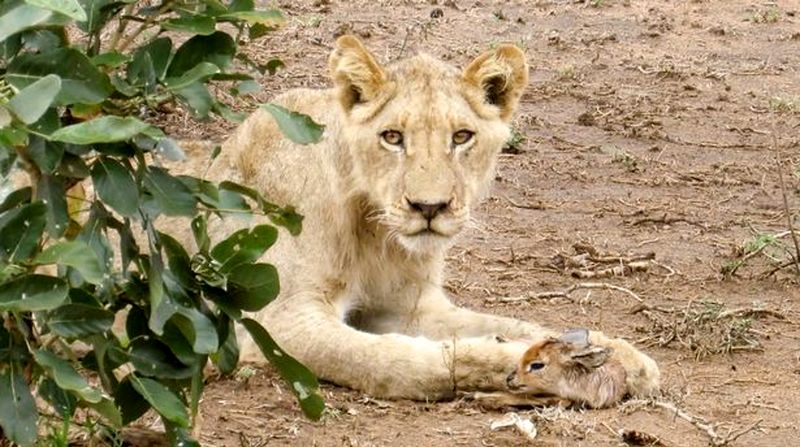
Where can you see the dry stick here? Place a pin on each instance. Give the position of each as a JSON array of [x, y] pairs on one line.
[[786, 204], [700, 423], [566, 292]]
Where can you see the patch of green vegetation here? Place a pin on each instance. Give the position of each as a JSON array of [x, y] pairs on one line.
[[515, 142], [783, 104], [567, 73], [630, 162], [768, 15]]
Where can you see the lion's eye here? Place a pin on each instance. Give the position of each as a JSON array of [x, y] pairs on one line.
[[463, 136], [392, 137], [535, 366]]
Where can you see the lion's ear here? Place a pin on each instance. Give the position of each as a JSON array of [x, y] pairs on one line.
[[355, 73], [502, 74]]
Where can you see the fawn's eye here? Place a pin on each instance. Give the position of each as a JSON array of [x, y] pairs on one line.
[[535, 366], [392, 138], [463, 136]]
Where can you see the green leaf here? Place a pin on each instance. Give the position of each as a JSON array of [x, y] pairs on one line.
[[46, 154], [199, 329], [63, 402], [75, 254], [20, 231], [79, 320], [108, 410], [130, 402], [180, 345], [39, 40], [81, 81], [20, 18], [289, 219], [253, 286], [69, 8], [18, 413], [217, 48], [116, 186], [48, 123], [241, 5], [105, 129], [164, 401], [66, 377], [196, 390], [228, 355], [195, 24], [248, 86], [111, 59], [301, 381], [150, 62], [179, 436], [32, 101], [170, 149], [94, 232], [272, 66], [197, 97], [171, 196], [32, 293], [154, 359], [178, 260], [270, 18], [248, 192], [297, 127], [227, 113], [200, 233], [98, 12], [198, 73], [15, 198], [51, 192], [161, 305], [258, 31], [244, 246]]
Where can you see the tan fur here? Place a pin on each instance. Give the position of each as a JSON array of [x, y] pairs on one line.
[[362, 303], [579, 374]]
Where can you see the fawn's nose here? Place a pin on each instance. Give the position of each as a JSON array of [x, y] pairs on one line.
[[428, 210], [511, 380]]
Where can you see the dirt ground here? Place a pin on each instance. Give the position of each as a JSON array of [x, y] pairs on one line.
[[648, 153]]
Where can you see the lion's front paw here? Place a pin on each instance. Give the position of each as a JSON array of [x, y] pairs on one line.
[[643, 375]]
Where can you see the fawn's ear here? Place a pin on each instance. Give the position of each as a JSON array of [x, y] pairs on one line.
[[579, 337], [356, 74], [502, 74], [590, 357]]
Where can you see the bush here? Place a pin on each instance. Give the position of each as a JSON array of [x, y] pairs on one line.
[[67, 120]]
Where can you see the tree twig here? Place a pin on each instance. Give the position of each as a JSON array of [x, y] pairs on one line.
[[786, 204], [566, 292]]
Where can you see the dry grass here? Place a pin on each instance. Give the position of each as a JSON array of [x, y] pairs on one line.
[[706, 327]]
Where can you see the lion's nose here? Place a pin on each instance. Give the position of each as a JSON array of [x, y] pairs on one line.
[[428, 210]]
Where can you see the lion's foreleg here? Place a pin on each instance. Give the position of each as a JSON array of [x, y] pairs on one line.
[[436, 317], [386, 365]]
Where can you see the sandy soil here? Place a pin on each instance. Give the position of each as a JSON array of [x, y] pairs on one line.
[[648, 135]]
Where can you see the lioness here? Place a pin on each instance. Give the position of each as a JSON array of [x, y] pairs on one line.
[[409, 149]]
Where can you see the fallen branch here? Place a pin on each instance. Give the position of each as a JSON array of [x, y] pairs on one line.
[[526, 206], [618, 270], [710, 429], [664, 220], [565, 293]]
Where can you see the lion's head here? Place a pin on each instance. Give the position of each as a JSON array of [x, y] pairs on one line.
[[423, 136]]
